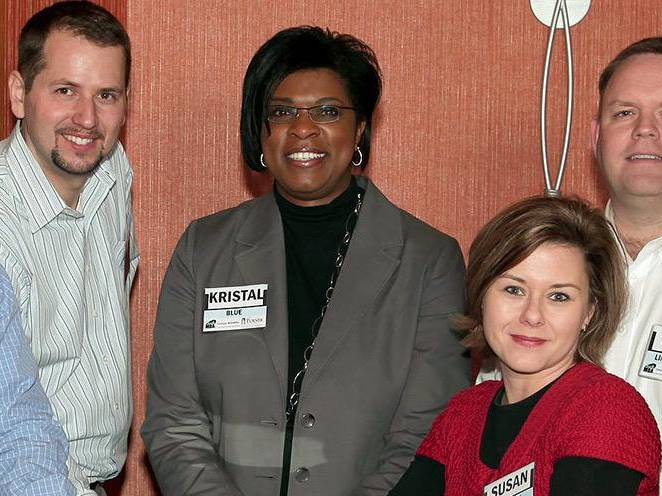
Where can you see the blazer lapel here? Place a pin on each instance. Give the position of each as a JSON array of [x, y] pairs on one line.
[[374, 253], [260, 257]]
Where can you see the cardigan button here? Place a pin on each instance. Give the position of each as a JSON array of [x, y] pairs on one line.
[[308, 420], [302, 474]]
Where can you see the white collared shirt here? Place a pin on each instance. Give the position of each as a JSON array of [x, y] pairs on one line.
[[70, 271], [624, 357]]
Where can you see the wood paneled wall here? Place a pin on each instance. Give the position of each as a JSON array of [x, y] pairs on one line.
[[456, 136]]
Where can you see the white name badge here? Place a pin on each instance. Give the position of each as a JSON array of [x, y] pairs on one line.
[[234, 319], [517, 483], [236, 296], [651, 362], [234, 308]]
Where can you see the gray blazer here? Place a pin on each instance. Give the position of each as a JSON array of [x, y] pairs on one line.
[[384, 365]]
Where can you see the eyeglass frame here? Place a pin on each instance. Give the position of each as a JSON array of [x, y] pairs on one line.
[[307, 109]]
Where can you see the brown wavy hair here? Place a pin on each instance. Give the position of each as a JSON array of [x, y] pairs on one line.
[[517, 231]]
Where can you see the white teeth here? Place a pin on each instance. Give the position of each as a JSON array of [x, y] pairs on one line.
[[79, 141], [303, 156], [645, 156]]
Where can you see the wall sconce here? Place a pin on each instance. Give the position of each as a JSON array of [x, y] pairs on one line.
[[562, 14]]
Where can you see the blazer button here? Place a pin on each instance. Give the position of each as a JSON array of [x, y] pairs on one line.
[[302, 474], [308, 420]]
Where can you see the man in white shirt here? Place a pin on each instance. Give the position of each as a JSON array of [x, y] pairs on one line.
[[627, 143], [66, 226]]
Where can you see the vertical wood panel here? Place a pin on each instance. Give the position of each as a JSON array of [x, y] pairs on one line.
[[4, 44], [456, 137]]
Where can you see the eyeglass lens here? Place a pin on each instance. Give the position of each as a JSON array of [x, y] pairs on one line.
[[320, 113]]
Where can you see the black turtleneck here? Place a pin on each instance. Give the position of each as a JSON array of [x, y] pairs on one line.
[[312, 237]]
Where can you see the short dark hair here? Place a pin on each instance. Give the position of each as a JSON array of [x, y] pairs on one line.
[[300, 48], [647, 45], [518, 231], [81, 18]]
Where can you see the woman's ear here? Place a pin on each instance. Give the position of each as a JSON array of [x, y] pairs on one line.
[[359, 133], [589, 316]]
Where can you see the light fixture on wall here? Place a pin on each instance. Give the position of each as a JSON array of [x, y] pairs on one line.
[[557, 14]]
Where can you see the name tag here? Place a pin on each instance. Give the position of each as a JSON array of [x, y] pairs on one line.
[[517, 483], [651, 362], [234, 308]]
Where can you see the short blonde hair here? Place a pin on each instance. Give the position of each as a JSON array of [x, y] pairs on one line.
[[518, 231]]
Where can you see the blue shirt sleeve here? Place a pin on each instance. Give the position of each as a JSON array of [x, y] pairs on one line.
[[34, 449]]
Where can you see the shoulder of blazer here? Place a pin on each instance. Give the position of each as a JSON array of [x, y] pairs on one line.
[[419, 229], [247, 223], [410, 229]]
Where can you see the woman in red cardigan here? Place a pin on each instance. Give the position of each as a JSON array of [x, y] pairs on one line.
[[545, 291]]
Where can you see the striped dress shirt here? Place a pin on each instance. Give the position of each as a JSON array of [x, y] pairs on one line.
[[72, 270]]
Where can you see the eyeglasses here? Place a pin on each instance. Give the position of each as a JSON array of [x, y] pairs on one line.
[[321, 114]]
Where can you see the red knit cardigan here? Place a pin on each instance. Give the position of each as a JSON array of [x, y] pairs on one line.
[[587, 413]]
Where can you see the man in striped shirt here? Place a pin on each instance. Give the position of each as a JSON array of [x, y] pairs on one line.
[[66, 226]]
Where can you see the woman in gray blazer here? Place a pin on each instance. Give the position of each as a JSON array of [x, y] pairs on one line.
[[302, 343]]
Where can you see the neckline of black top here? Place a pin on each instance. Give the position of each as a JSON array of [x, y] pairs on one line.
[[504, 422], [341, 205]]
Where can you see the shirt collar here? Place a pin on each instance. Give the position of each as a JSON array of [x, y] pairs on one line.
[[654, 245], [42, 200]]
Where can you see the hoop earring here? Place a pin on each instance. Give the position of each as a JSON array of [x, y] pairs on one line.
[[360, 160], [262, 160]]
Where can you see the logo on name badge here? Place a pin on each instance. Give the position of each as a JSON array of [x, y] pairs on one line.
[[517, 483], [234, 308], [651, 362]]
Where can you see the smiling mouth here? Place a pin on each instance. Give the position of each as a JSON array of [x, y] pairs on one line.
[[527, 340], [305, 156], [79, 137], [78, 140], [644, 156]]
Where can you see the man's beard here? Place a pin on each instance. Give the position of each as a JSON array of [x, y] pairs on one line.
[[67, 167]]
